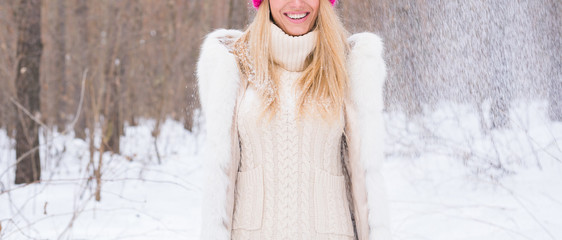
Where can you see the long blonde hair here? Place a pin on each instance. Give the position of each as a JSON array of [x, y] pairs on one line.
[[325, 78]]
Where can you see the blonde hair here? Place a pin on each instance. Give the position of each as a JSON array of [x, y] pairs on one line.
[[325, 78]]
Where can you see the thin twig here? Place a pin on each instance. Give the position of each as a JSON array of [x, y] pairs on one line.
[[22, 108], [79, 110], [529, 212]]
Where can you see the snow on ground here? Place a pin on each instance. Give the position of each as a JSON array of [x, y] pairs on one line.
[[140, 198], [446, 180], [434, 195]]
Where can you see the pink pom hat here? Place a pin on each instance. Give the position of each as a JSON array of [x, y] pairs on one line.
[[257, 3]]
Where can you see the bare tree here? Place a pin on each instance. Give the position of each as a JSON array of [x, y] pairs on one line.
[[82, 54], [197, 31], [360, 15], [131, 94], [555, 89], [115, 68], [500, 91], [59, 74], [8, 62], [237, 14], [29, 50]]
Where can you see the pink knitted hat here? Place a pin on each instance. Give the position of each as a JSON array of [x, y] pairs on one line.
[[258, 2]]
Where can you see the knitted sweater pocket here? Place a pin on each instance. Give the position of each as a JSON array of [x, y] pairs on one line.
[[248, 206], [330, 201]]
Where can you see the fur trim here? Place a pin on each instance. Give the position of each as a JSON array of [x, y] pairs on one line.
[[218, 82], [367, 71]]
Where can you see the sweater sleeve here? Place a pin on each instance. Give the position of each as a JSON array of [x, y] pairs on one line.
[[217, 82], [365, 132]]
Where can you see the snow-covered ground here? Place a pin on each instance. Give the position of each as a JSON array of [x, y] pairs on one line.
[[446, 180], [442, 187]]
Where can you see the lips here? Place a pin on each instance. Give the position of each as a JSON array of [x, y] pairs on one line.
[[297, 17]]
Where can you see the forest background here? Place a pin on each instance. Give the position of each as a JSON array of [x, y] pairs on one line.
[[137, 58], [67, 66]]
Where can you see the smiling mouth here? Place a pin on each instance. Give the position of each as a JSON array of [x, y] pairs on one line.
[[297, 16]]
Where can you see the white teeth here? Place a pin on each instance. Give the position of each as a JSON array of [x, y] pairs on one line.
[[296, 16]]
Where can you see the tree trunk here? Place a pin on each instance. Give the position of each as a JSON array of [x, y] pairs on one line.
[[116, 70], [112, 106], [500, 79], [60, 67], [197, 31], [400, 25], [555, 90], [114, 121], [29, 50], [132, 109], [359, 15], [81, 15], [237, 14]]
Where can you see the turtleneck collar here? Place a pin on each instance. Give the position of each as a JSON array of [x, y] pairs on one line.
[[291, 52]]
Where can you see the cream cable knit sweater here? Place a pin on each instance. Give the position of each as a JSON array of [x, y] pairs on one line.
[[290, 183]]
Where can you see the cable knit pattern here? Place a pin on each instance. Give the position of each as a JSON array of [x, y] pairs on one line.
[[290, 183], [290, 52]]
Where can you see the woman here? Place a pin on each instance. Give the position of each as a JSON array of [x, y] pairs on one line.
[[294, 123]]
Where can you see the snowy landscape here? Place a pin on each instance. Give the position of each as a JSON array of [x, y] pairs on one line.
[[445, 178], [473, 100]]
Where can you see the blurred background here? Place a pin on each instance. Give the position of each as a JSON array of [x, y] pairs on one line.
[[104, 92]]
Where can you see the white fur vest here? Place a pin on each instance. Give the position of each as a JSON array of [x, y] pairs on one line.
[[219, 92]]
